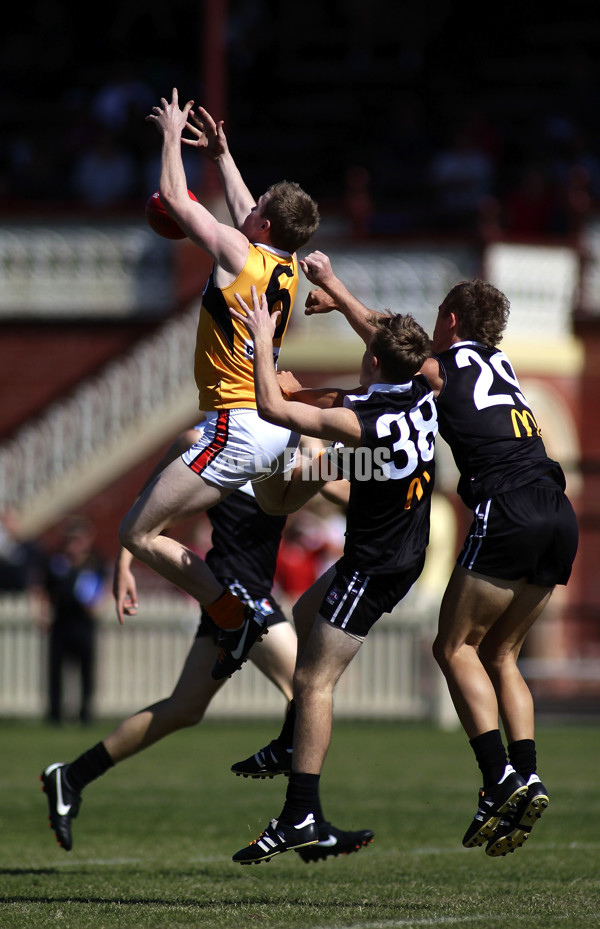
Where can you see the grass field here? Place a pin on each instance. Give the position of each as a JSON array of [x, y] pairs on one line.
[[154, 838]]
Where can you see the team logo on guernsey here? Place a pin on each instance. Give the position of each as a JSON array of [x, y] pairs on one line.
[[526, 420], [249, 351]]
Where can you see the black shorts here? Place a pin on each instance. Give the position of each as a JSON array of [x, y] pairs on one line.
[[529, 532], [264, 604], [355, 601]]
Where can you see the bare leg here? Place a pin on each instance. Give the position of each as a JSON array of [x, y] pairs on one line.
[[275, 656], [483, 622], [175, 495], [499, 651], [328, 653], [286, 493], [470, 605], [306, 608], [185, 707]]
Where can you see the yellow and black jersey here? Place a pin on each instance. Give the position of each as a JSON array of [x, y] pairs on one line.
[[223, 363]]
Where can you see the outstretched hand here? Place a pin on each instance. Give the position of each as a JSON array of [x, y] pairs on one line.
[[258, 321], [168, 116], [208, 134]]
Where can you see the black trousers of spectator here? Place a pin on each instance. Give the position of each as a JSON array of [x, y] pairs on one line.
[[73, 644]]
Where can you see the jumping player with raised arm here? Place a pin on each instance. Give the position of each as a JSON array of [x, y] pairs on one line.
[[391, 425], [522, 542], [237, 446]]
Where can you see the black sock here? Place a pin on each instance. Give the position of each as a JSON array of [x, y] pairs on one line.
[[523, 757], [88, 767], [318, 811], [286, 736], [491, 756], [302, 798]]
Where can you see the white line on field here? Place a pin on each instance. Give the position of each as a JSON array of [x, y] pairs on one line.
[[437, 921], [378, 852]]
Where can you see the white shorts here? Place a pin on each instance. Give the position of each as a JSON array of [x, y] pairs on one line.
[[238, 446]]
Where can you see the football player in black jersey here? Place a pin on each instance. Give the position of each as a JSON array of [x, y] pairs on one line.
[[522, 542], [245, 542], [388, 428]]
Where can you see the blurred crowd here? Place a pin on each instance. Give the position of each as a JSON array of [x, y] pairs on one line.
[[431, 126]]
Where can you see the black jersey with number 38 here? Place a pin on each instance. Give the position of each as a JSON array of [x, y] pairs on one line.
[[391, 477], [488, 424]]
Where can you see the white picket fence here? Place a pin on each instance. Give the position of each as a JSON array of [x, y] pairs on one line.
[[393, 675]]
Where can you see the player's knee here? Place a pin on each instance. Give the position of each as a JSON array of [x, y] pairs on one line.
[[308, 685], [126, 538], [129, 537], [188, 717], [181, 712], [274, 508], [440, 653], [300, 683]]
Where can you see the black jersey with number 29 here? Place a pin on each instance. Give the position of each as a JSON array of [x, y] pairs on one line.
[[391, 477], [489, 425]]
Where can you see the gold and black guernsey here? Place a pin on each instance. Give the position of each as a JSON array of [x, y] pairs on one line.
[[223, 363], [487, 422]]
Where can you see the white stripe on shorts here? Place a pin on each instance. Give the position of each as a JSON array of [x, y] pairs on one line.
[[357, 597], [481, 521]]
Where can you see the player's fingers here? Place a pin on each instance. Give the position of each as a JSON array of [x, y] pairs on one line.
[[207, 118]]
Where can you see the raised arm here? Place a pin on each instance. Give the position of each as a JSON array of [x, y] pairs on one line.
[[227, 246], [209, 135], [318, 270], [339, 423]]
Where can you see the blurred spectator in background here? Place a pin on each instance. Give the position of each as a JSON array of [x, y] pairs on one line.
[[72, 587], [531, 205], [105, 174], [20, 561], [124, 98], [461, 175], [358, 202], [313, 540]]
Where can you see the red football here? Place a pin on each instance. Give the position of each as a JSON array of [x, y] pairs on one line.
[[159, 220]]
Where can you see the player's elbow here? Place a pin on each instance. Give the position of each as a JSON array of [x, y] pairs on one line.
[[271, 413]]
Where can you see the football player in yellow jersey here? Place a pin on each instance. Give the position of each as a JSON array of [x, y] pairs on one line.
[[237, 446]]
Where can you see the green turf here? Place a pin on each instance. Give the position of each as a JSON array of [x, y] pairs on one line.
[[154, 839]]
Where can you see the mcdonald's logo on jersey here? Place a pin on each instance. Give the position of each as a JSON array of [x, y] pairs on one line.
[[527, 422]]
